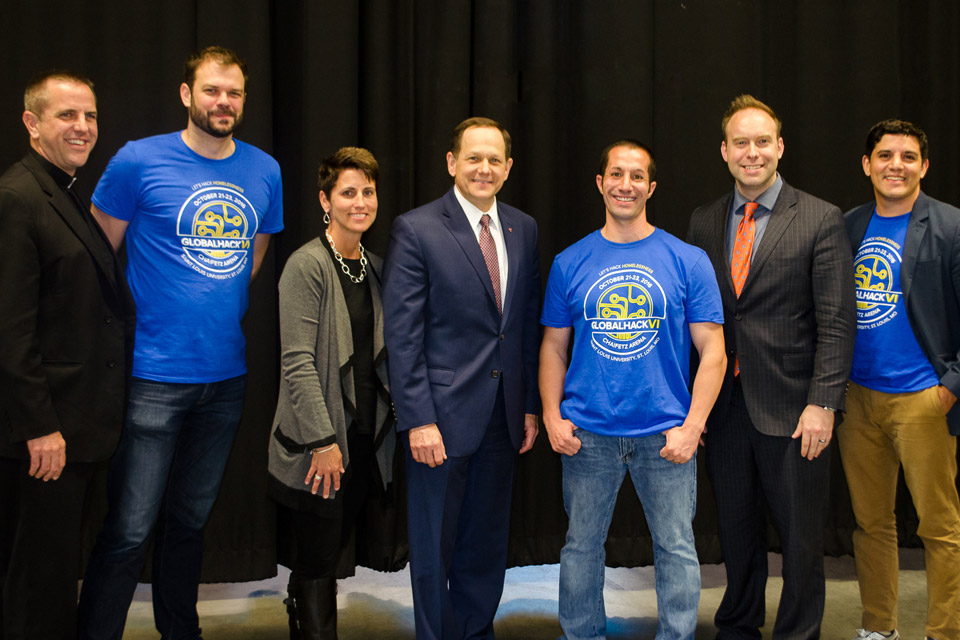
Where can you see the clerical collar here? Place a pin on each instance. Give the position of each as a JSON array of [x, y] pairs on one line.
[[61, 177]]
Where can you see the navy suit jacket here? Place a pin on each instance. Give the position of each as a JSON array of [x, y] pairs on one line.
[[930, 280], [449, 348], [793, 325]]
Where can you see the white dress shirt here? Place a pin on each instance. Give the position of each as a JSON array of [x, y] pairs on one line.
[[496, 230]]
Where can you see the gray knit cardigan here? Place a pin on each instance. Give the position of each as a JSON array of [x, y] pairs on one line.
[[316, 345]]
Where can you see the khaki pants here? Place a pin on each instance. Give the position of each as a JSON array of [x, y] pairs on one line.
[[881, 432]]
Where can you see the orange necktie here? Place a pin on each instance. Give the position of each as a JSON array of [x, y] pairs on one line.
[[742, 253]]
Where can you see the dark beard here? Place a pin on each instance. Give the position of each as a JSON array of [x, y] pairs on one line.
[[202, 120]]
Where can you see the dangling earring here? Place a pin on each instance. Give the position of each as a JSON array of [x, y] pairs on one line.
[[326, 218]]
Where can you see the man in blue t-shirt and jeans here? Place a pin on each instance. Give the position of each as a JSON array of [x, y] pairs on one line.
[[632, 299], [196, 208], [902, 397]]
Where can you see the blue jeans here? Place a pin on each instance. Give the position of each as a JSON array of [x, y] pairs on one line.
[[166, 472], [668, 494]]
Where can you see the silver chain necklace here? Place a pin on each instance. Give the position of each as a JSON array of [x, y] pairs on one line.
[[363, 260]]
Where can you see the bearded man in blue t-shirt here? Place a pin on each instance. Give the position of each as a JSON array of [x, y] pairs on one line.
[[632, 299], [197, 208], [902, 398]]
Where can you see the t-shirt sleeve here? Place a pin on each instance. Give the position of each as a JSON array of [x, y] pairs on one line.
[[273, 219], [118, 191], [556, 312], [703, 293]]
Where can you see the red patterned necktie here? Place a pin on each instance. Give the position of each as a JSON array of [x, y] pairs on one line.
[[489, 251], [742, 253]]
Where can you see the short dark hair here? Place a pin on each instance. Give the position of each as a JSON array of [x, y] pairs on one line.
[[220, 55], [895, 127], [630, 143], [479, 122], [35, 95], [346, 158], [746, 101]]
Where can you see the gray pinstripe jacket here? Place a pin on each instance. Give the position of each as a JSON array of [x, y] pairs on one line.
[[793, 325]]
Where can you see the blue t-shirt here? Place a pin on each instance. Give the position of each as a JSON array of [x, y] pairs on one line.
[[886, 354], [189, 250], [630, 306]]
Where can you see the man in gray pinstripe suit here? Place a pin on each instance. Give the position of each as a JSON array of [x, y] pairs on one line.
[[785, 271]]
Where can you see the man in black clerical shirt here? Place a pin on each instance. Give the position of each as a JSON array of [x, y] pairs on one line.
[[66, 328]]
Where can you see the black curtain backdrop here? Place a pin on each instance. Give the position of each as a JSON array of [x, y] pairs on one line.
[[566, 78]]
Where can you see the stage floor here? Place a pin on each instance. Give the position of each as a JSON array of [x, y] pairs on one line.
[[378, 606]]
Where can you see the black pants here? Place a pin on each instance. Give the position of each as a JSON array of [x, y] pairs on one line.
[[752, 472], [40, 551]]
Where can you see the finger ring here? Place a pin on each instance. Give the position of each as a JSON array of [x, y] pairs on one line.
[[822, 441], [318, 477]]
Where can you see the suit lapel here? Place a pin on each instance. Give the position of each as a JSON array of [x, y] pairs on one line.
[[457, 224], [916, 228], [98, 247], [511, 242], [784, 211], [719, 234], [857, 223]]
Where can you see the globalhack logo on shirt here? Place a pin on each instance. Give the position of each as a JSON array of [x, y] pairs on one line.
[[624, 309], [216, 227], [877, 293]]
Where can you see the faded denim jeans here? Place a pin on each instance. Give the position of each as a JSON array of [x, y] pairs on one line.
[[668, 494]]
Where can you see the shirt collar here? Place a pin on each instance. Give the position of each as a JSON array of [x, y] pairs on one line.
[[61, 177], [766, 200], [474, 213]]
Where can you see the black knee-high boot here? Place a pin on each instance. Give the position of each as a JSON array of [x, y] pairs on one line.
[[315, 601], [291, 602]]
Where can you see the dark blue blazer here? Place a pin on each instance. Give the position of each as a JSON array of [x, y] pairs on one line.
[[930, 278], [449, 349]]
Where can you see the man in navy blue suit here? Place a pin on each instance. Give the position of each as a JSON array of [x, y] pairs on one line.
[[461, 305]]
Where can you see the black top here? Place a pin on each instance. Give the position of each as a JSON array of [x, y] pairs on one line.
[[360, 307]]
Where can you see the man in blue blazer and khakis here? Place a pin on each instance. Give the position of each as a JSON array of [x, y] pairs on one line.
[[902, 399], [461, 304]]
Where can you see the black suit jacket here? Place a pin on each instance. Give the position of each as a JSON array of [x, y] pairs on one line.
[[930, 281], [66, 321], [794, 322]]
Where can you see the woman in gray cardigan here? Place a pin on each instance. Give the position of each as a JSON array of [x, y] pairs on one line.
[[333, 438]]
